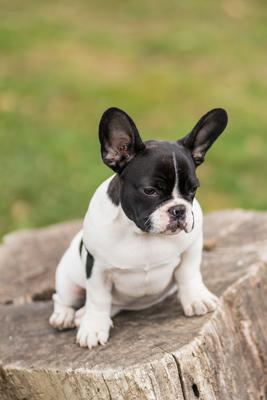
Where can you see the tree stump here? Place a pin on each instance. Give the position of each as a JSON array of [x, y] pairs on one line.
[[157, 353]]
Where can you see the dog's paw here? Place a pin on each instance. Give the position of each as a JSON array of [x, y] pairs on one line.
[[197, 300], [93, 331], [62, 318]]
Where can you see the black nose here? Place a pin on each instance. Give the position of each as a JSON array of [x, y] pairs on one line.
[[178, 212]]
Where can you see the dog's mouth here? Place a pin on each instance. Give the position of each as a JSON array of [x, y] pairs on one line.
[[175, 227]]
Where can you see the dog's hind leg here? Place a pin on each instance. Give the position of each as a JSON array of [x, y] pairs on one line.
[[68, 297]]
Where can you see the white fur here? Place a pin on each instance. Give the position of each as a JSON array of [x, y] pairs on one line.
[[132, 269], [175, 192]]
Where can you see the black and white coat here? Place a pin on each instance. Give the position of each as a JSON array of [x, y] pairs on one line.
[[120, 266]]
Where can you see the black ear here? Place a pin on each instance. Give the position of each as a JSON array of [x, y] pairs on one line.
[[119, 139], [206, 131]]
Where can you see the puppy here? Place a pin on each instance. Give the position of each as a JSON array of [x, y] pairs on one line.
[[142, 235]]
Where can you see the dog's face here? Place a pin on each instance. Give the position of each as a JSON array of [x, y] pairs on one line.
[[156, 182], [158, 188]]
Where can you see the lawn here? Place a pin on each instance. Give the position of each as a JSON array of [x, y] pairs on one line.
[[166, 63]]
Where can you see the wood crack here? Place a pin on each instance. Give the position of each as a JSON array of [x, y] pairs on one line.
[[180, 376], [106, 385]]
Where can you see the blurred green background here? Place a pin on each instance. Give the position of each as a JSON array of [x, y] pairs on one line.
[[165, 62]]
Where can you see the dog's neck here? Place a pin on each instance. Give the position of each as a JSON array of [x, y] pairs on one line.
[[103, 211]]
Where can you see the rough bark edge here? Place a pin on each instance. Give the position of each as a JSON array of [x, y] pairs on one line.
[[155, 380], [228, 359]]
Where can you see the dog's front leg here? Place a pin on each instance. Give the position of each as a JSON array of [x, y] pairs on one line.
[[96, 322], [196, 299]]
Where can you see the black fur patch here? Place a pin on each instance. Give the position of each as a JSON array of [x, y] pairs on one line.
[[114, 190], [89, 259], [89, 264]]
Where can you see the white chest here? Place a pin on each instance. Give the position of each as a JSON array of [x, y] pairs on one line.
[[140, 266], [143, 281], [125, 249]]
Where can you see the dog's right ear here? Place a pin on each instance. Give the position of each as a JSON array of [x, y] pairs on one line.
[[119, 139]]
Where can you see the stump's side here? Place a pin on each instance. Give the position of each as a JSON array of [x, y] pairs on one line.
[[156, 380], [228, 360]]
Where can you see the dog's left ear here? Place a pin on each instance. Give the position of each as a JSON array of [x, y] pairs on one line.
[[119, 139], [206, 131]]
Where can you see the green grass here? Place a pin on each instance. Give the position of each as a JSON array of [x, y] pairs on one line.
[[166, 63]]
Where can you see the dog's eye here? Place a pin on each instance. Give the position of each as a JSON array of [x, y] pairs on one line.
[[149, 191]]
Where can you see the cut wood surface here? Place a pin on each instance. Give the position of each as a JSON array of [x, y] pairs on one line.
[[152, 354]]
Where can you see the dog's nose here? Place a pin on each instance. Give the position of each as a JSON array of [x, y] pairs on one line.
[[178, 212]]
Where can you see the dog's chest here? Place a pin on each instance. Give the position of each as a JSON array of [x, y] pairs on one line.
[[130, 251], [145, 280], [139, 265]]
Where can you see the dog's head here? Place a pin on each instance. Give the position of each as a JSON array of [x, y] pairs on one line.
[[156, 181]]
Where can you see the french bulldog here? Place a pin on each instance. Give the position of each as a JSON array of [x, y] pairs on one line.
[[142, 236]]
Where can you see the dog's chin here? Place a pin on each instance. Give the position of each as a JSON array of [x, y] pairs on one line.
[[167, 232], [171, 232], [173, 228]]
